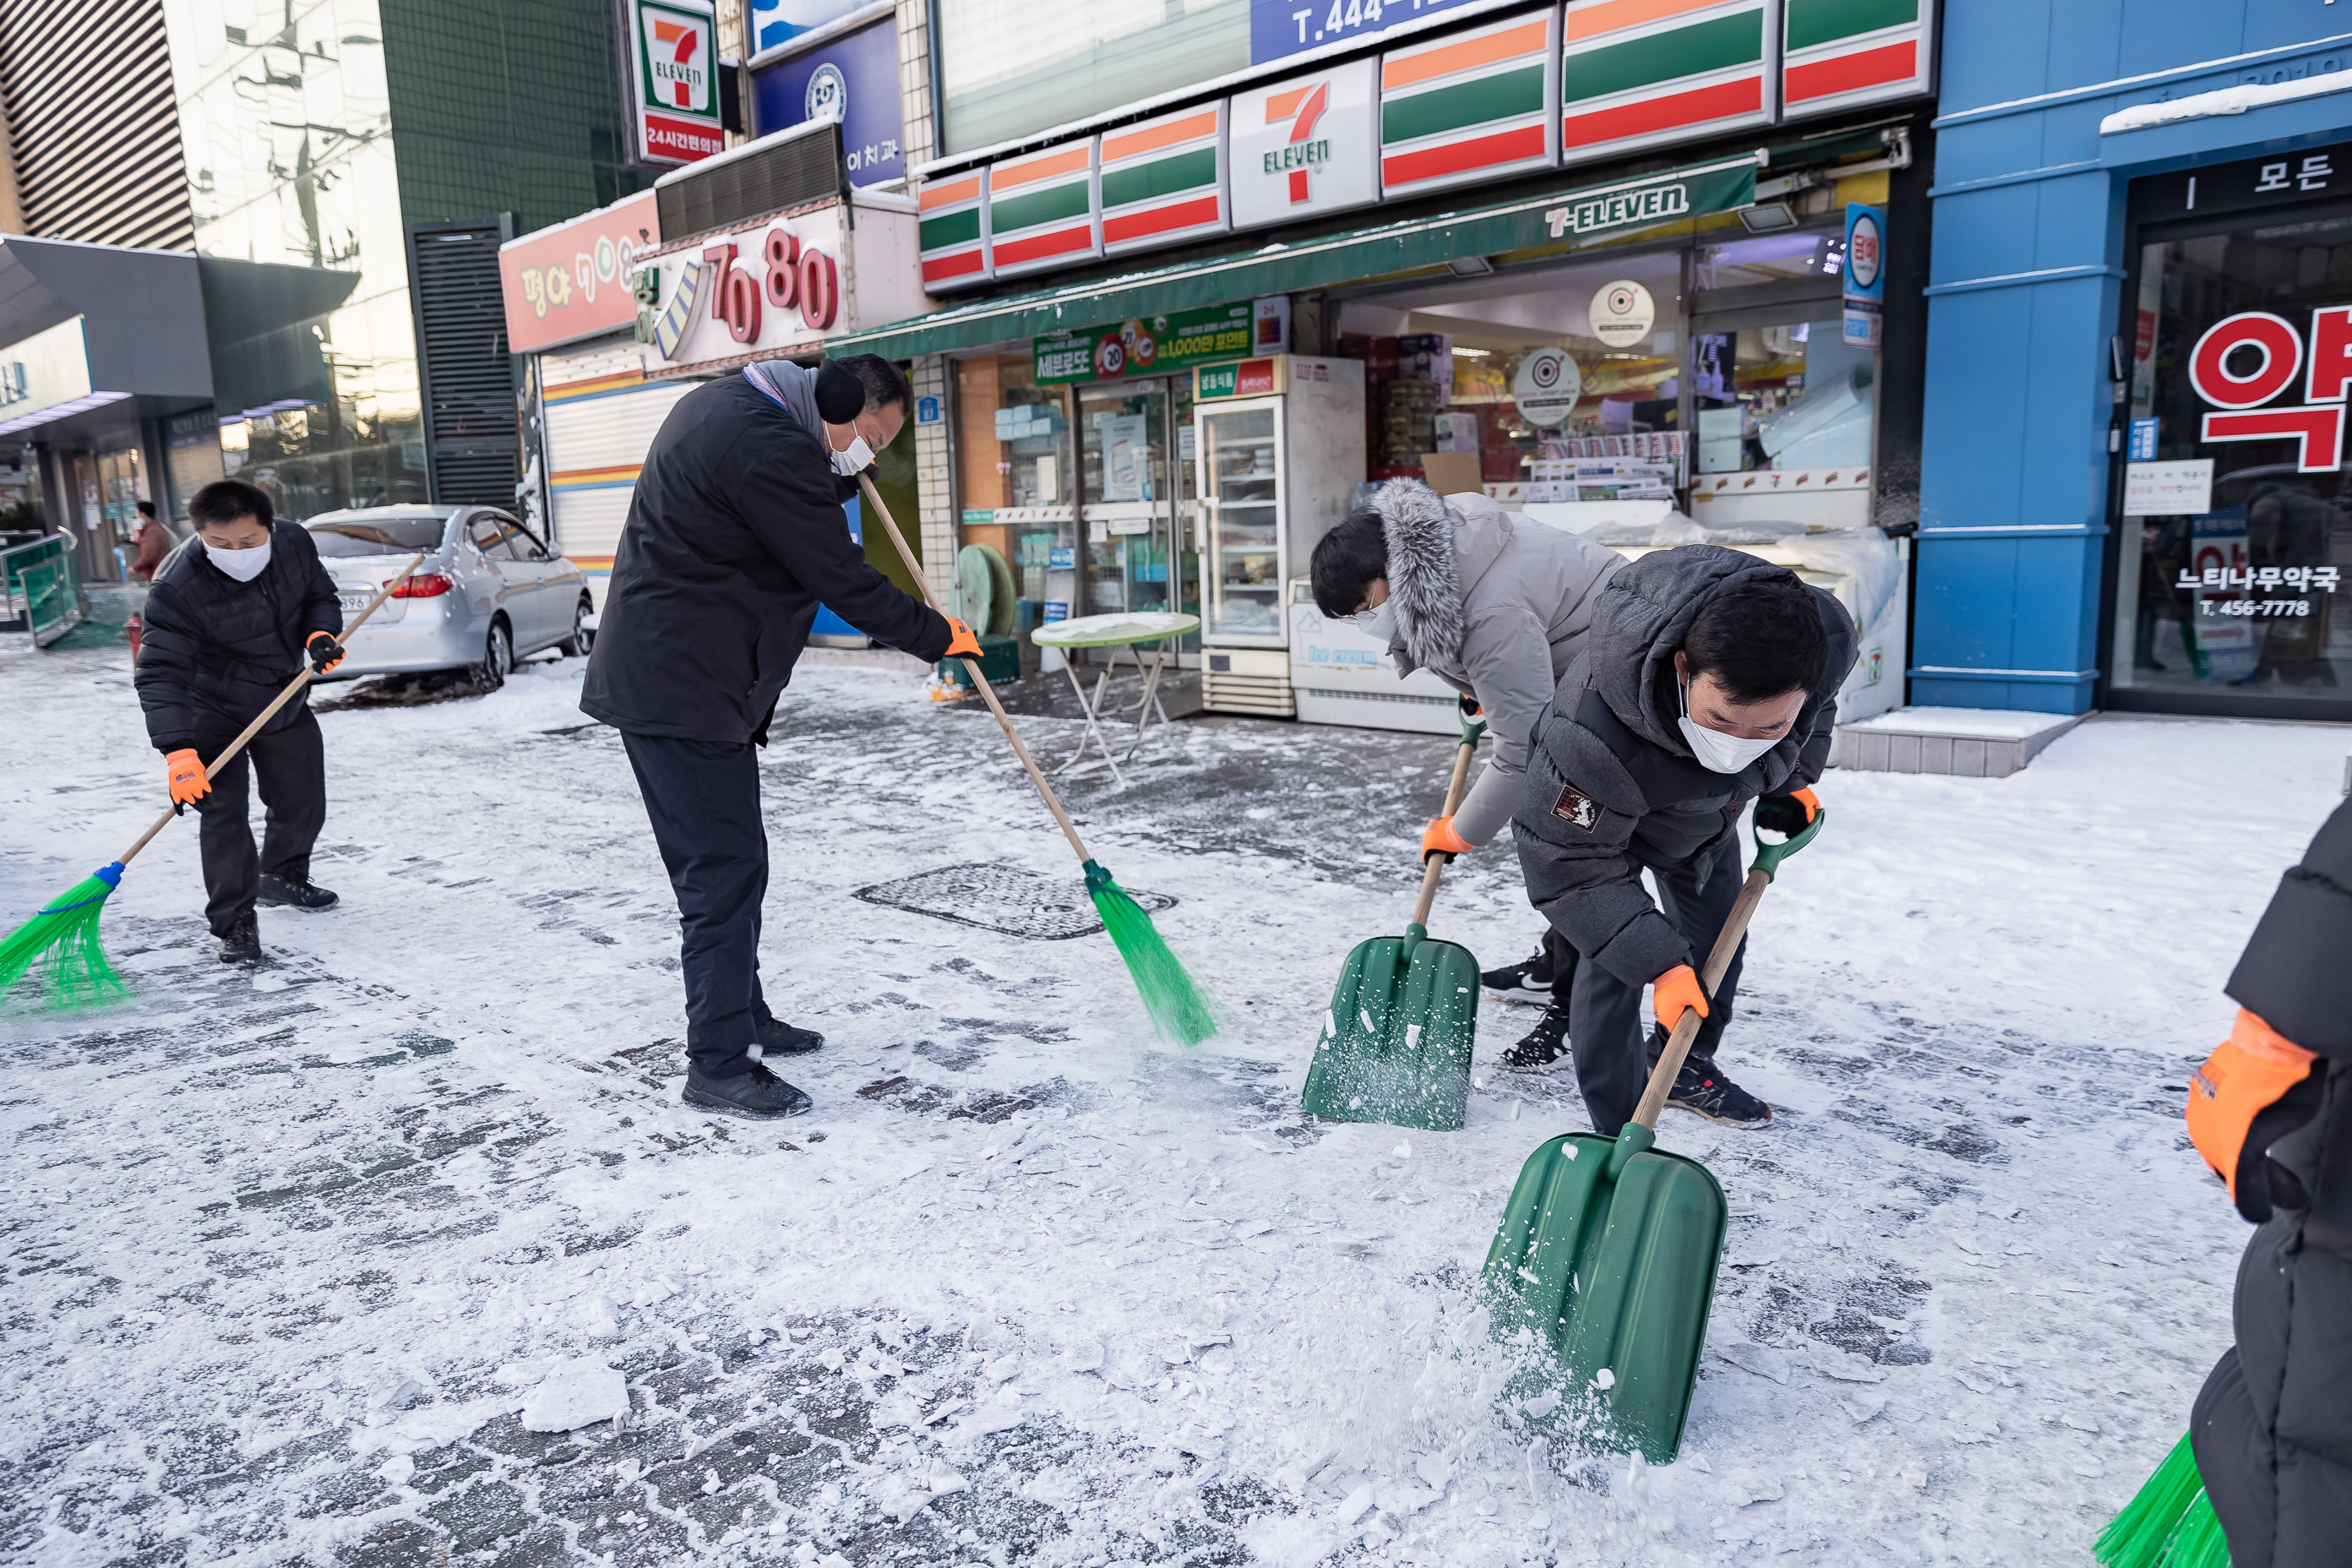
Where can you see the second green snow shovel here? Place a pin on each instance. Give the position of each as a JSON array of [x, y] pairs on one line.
[[1395, 1044], [1607, 1255]]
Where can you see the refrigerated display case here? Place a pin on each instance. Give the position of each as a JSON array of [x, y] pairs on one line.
[[1280, 450]]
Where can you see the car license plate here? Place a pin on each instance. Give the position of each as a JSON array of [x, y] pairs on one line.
[[354, 603]]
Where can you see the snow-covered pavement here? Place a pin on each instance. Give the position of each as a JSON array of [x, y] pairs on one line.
[[297, 1260]]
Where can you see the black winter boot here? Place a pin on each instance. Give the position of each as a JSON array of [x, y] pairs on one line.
[[778, 1038], [1546, 1044], [758, 1095], [1701, 1090], [1529, 980], [242, 944], [296, 892]]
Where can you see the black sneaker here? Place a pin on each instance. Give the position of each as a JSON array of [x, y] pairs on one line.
[[296, 892], [242, 944], [778, 1038], [1530, 980], [1546, 1044], [1703, 1091], [758, 1095]]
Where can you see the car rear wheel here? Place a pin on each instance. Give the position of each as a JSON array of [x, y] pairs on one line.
[[497, 659], [581, 639]]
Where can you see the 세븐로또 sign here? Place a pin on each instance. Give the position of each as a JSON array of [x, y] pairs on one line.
[[1143, 346]]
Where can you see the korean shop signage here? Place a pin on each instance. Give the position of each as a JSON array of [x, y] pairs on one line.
[[2248, 186], [774, 287], [1865, 275], [675, 81], [1247, 378], [1150, 345], [572, 280], [2243, 363]]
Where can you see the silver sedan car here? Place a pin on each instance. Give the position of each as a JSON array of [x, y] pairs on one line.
[[489, 592]]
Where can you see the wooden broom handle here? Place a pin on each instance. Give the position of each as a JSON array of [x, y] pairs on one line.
[[280, 700], [914, 569], [1678, 1043], [1436, 866]]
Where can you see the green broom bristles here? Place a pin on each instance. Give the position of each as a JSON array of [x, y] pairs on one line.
[[59, 945], [1179, 1010], [2168, 1524]]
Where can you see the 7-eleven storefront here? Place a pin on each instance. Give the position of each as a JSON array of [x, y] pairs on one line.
[[1587, 257]]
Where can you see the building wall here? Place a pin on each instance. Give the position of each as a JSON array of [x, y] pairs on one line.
[[91, 141], [508, 107], [2026, 271]]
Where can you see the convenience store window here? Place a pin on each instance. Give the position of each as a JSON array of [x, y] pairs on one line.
[[1017, 472], [2235, 529], [1515, 369], [1774, 385]]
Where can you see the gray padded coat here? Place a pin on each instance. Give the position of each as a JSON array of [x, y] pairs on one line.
[[1496, 605], [1612, 786]]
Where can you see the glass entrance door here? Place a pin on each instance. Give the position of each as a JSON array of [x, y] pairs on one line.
[[1130, 507]]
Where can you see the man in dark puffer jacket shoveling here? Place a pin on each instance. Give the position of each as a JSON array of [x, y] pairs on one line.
[[1709, 680]]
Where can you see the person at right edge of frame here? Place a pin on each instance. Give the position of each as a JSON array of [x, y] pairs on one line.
[[1709, 680], [2271, 1110], [735, 536]]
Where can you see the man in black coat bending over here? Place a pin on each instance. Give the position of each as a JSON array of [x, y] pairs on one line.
[[736, 535], [234, 614], [1709, 680]]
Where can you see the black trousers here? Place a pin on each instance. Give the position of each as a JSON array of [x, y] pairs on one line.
[[703, 799], [1612, 1038], [1561, 954], [291, 764]]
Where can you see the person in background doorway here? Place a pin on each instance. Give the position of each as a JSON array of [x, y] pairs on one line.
[[153, 542], [1496, 605], [230, 620], [734, 537], [1710, 679]]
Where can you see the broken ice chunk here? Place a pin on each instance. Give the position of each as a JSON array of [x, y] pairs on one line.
[[575, 1396]]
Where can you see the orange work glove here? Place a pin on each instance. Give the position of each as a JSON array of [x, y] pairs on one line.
[[1439, 838], [2247, 1074], [961, 643], [1672, 992], [1788, 813], [184, 775], [325, 651]]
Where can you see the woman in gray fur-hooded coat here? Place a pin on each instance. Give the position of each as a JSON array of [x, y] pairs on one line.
[[1496, 605]]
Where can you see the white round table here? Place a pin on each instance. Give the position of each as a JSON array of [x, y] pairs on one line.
[[1128, 630]]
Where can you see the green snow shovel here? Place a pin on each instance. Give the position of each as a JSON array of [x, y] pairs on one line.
[[1395, 1045], [1608, 1252]]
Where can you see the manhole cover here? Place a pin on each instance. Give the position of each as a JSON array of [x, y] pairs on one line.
[[1002, 899]]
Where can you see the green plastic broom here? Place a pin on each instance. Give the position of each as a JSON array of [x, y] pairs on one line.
[[1181, 1011], [60, 946], [2170, 1522]]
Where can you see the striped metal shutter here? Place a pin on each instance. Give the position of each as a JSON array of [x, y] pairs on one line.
[[91, 123], [473, 448]]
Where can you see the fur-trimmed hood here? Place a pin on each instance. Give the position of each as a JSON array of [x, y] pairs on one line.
[[1494, 604]]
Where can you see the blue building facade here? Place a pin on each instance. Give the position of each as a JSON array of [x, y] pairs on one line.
[[2139, 345]]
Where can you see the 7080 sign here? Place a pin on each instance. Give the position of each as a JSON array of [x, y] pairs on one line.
[[790, 276]]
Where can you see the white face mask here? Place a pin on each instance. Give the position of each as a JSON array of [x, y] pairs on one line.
[[244, 565], [1717, 751], [853, 459], [1377, 624]]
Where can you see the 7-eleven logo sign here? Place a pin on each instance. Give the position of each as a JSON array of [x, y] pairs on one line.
[[1302, 108], [674, 51]]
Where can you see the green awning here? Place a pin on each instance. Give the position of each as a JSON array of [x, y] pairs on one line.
[[1667, 196]]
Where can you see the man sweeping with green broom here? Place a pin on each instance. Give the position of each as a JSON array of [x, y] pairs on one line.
[[734, 538]]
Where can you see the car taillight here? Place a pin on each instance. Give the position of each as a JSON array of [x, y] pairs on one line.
[[424, 586]]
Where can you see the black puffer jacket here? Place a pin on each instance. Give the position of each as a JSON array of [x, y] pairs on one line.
[[1612, 786], [735, 536], [2273, 1428], [217, 650]]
